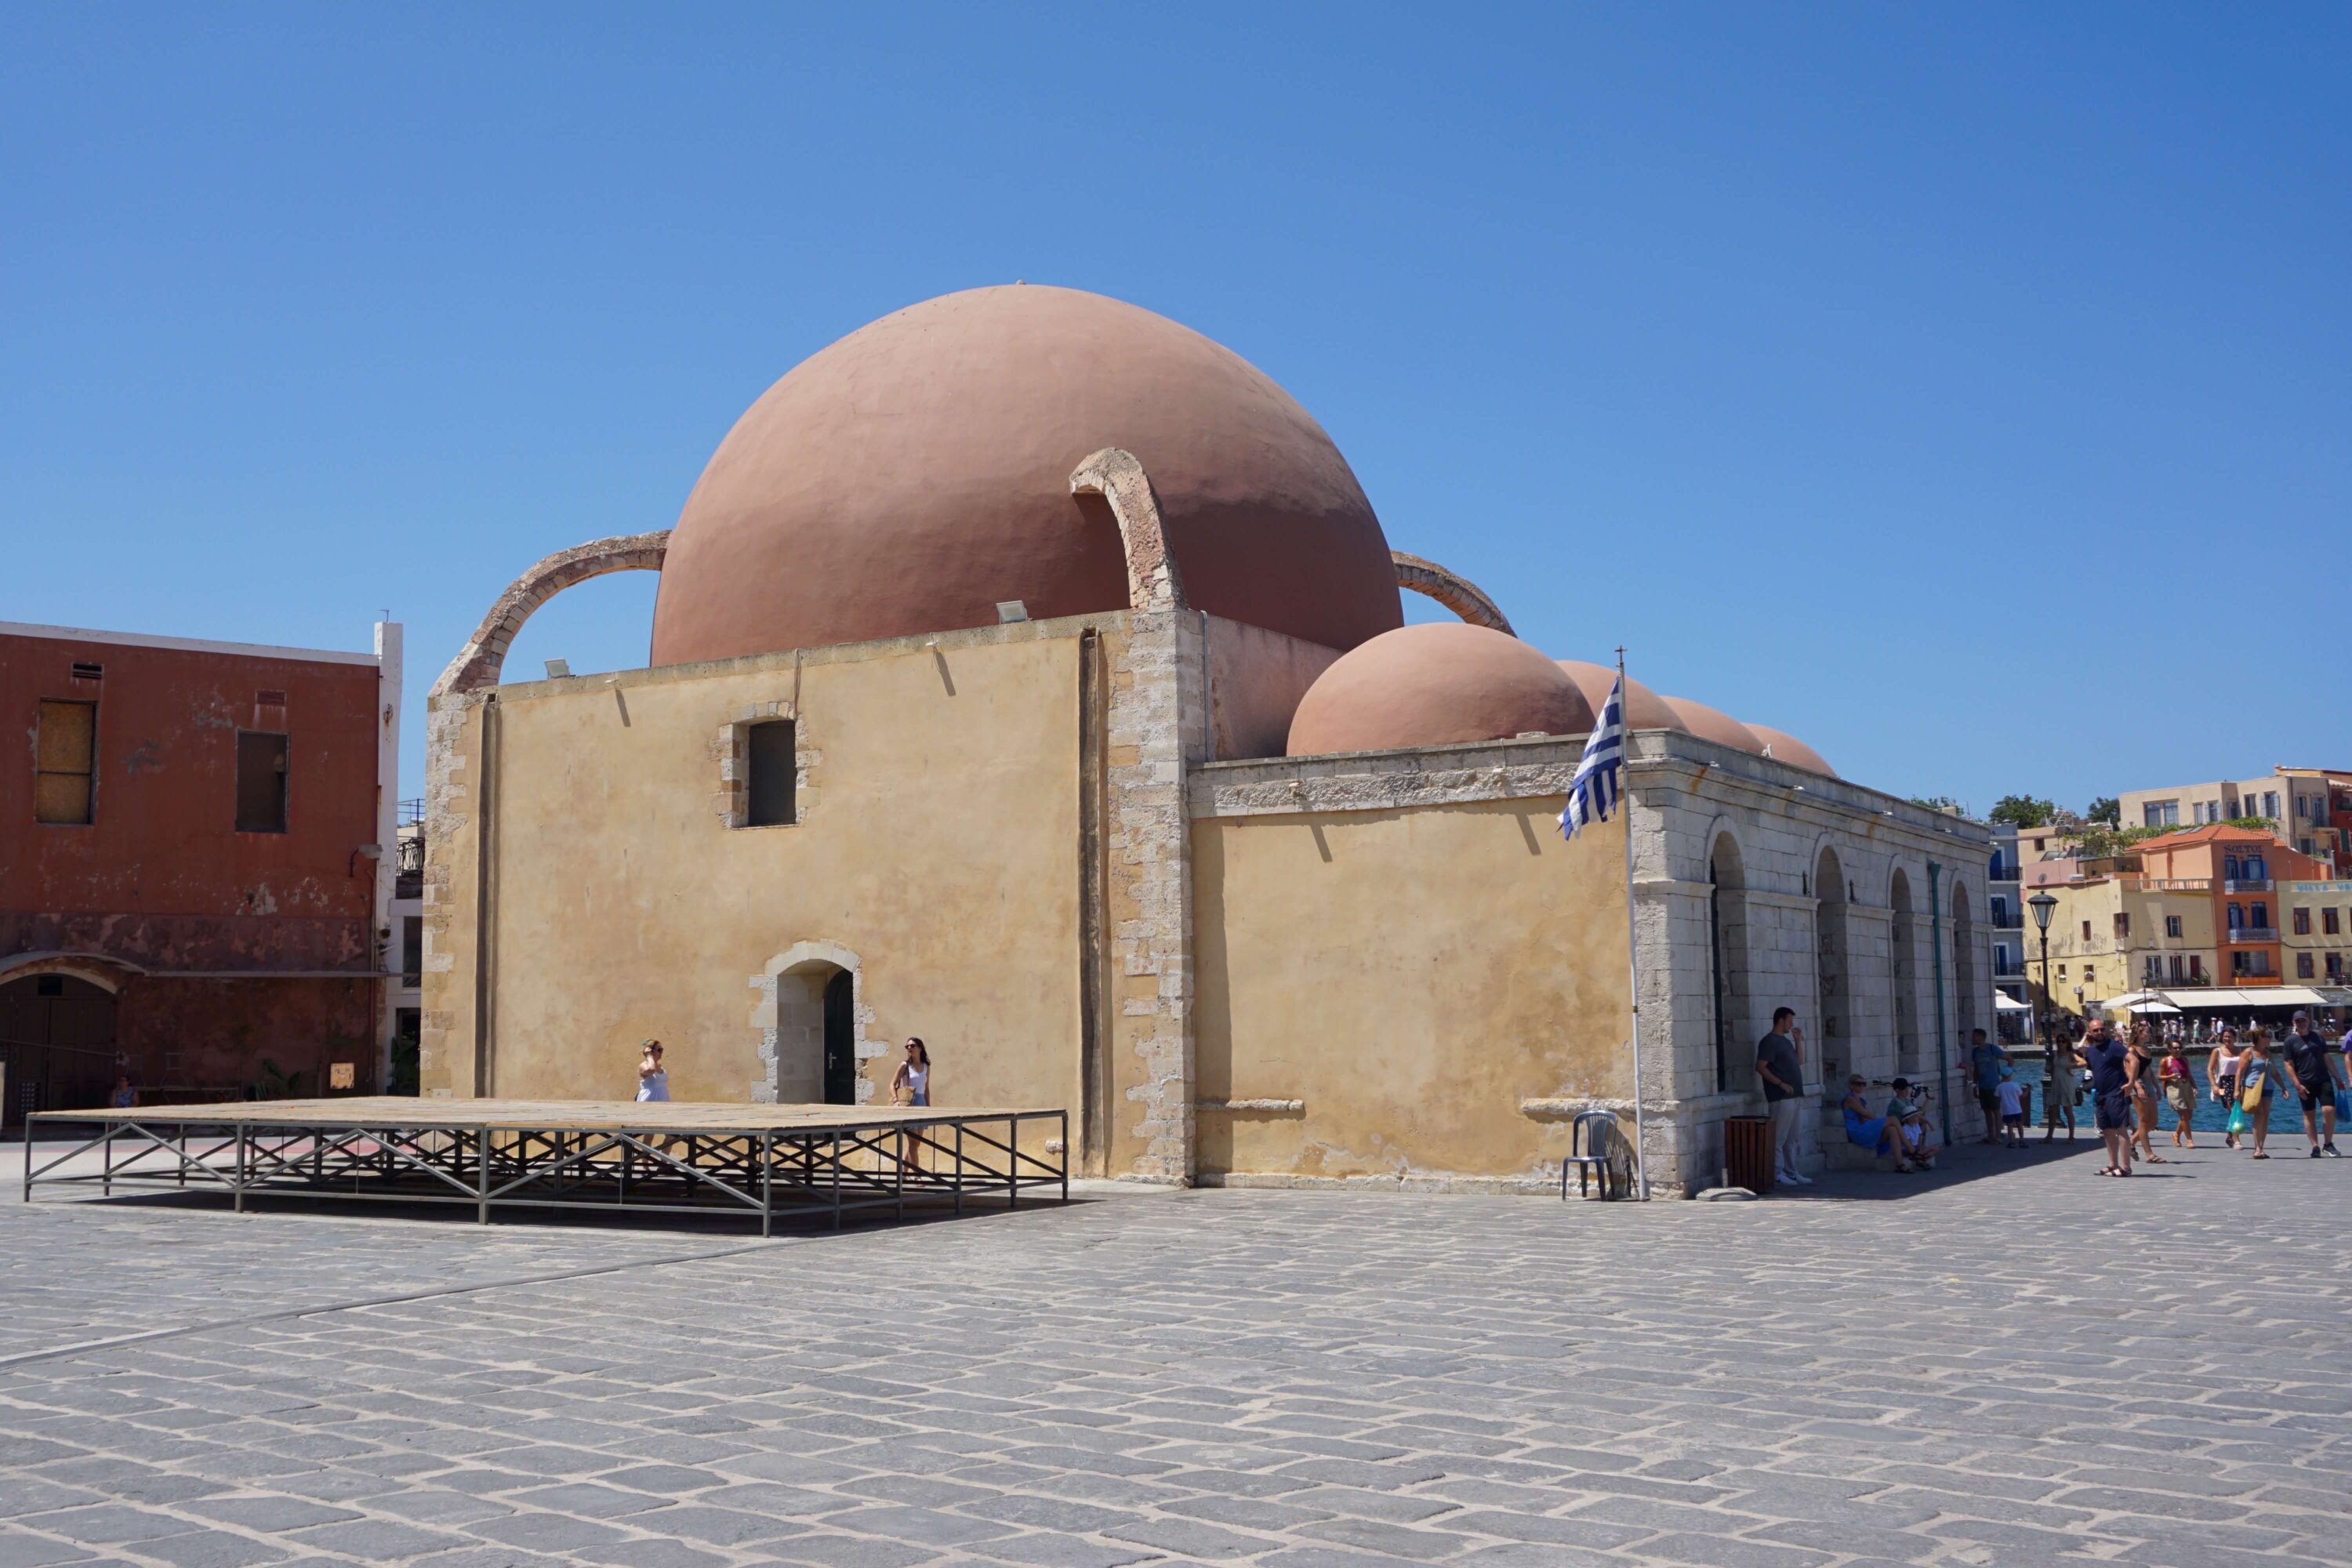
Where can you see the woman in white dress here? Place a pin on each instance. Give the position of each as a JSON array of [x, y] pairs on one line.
[[652, 1078], [911, 1086]]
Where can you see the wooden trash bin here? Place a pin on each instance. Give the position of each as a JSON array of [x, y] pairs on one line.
[[1747, 1152]]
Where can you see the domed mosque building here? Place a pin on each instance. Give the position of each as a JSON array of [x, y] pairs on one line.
[[1030, 673]]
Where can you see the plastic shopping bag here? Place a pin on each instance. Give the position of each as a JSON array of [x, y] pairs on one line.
[[2343, 1106], [2238, 1122]]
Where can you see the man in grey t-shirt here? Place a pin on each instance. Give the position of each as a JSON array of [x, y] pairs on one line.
[[1779, 1068]]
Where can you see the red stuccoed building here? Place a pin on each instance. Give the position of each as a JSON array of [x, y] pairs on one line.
[[196, 866]]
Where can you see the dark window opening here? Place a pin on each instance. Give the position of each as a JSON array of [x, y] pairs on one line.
[[87, 671], [412, 950], [49, 985], [65, 763], [260, 782], [771, 757]]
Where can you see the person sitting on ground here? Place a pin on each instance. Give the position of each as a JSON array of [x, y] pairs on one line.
[[125, 1096], [1879, 1134], [2011, 1095], [1911, 1115]]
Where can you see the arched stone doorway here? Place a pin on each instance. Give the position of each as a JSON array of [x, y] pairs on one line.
[[56, 1045], [1903, 950], [1726, 931], [1836, 955], [812, 1019]]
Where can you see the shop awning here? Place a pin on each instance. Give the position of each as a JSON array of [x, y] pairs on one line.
[[2004, 1003], [2212, 996]]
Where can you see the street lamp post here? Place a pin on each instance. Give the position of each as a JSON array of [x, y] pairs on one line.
[[2043, 905]]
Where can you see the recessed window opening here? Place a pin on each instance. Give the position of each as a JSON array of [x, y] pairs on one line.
[[84, 671], [772, 758], [65, 763], [261, 768]]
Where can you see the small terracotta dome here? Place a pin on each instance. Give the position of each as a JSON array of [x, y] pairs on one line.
[[1787, 748], [917, 472], [1644, 709], [1713, 724], [1433, 685]]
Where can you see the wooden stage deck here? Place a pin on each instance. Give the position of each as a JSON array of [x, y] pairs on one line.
[[823, 1162]]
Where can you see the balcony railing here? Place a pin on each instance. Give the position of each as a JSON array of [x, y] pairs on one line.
[[2007, 968], [2254, 933], [2246, 885]]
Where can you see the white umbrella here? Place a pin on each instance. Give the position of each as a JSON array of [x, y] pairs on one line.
[[2004, 1003]]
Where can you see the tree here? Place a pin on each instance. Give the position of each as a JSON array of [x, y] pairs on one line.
[[2106, 809], [2024, 811], [1943, 803], [2102, 842]]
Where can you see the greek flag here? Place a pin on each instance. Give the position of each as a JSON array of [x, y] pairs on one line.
[[1593, 794]]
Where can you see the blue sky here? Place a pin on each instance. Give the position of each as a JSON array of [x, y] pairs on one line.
[[1967, 390]]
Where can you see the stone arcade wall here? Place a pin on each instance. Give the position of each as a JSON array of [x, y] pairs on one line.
[[1688, 793]]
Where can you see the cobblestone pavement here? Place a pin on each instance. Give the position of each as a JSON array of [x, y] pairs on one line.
[[2034, 1365]]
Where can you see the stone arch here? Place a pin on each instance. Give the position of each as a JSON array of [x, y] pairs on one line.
[[1834, 956], [1153, 582], [1728, 965], [1451, 589], [790, 1017], [478, 663], [109, 974], [1964, 965], [1903, 960]]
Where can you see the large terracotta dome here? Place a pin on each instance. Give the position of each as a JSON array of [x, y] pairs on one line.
[[1644, 709], [1434, 684], [1787, 748], [917, 472], [1713, 724]]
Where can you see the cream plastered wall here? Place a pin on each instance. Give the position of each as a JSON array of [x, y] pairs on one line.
[[938, 843], [1411, 977]]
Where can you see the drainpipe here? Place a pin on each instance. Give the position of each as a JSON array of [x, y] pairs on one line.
[[1935, 940]]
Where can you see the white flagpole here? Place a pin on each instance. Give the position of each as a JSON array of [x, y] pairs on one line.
[[1633, 959]]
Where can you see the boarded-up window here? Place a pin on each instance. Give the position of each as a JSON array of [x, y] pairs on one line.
[[770, 756], [260, 782], [65, 758]]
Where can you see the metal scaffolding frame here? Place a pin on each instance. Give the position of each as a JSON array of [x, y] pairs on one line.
[[797, 1163]]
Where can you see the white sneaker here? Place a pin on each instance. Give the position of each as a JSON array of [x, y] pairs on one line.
[[1801, 1179]]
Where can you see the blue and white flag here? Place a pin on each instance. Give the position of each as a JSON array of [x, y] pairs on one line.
[[1593, 794]]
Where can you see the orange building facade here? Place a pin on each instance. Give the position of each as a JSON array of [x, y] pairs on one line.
[[2244, 872]]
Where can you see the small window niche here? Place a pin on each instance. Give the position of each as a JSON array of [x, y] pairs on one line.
[[261, 781], [771, 764], [64, 760]]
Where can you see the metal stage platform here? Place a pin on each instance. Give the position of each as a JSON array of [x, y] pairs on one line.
[[819, 1162]]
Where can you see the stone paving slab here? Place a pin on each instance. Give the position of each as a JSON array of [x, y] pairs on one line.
[[2028, 1366]]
